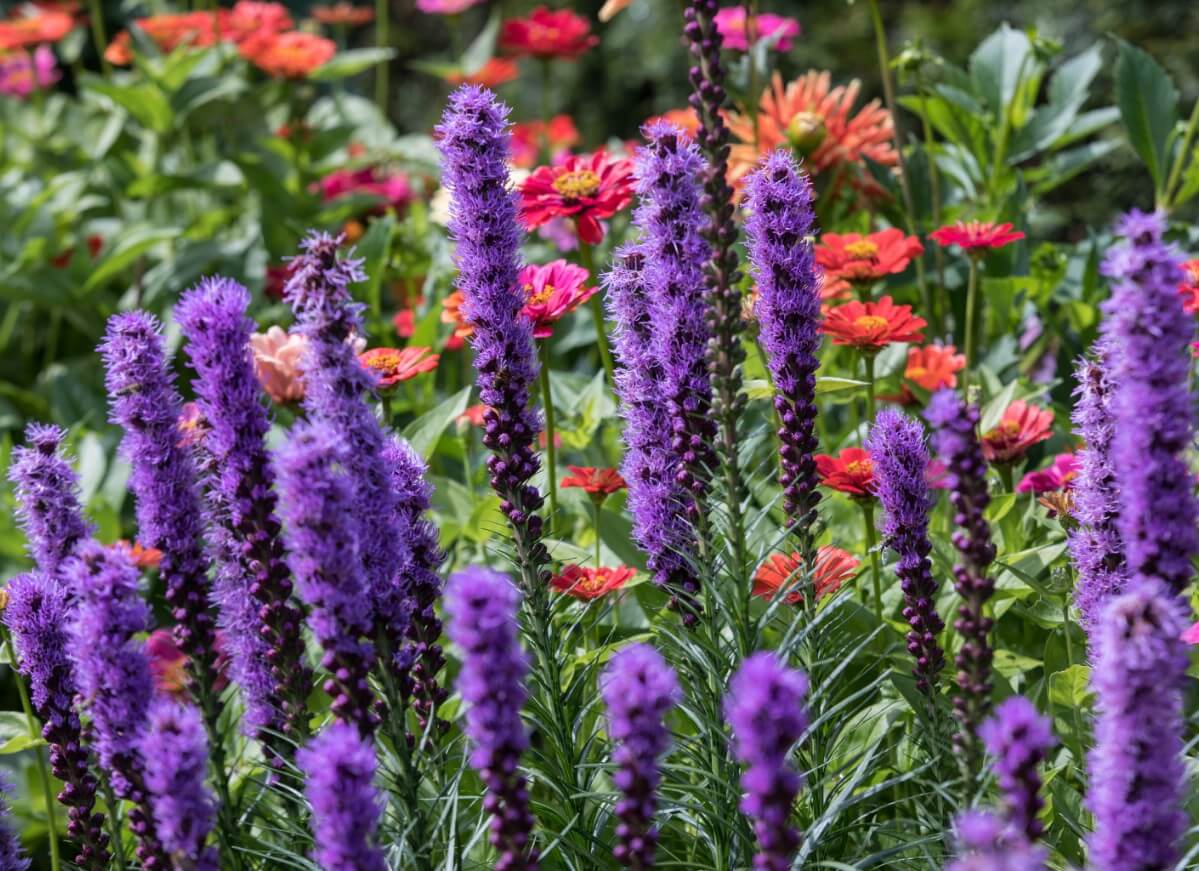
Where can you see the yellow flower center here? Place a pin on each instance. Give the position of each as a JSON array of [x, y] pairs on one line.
[[577, 184], [915, 373], [385, 362], [860, 467], [863, 249], [870, 323], [538, 298]]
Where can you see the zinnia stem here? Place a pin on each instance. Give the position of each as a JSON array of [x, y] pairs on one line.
[[872, 549], [95, 17], [382, 40], [870, 401], [1005, 475], [587, 261], [595, 513], [551, 451], [971, 318]]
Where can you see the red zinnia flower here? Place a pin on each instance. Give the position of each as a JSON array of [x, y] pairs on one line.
[[587, 189], [851, 471], [344, 14], [856, 259], [528, 137], [781, 571], [1189, 287], [475, 415], [1022, 426], [870, 326], [591, 583], [1059, 475], [404, 322], [598, 483], [547, 34], [552, 292], [495, 71], [31, 30], [393, 365], [976, 235], [291, 55]]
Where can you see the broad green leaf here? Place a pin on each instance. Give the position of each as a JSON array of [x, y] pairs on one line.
[[424, 432], [148, 105], [130, 244], [14, 732], [998, 65], [350, 63], [1070, 687], [483, 47], [1148, 103]]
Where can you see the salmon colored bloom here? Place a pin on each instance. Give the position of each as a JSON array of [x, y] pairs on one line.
[[393, 365], [611, 7], [548, 34], [530, 137], [495, 71], [852, 258], [476, 415], [850, 472], [1059, 475], [738, 31], [168, 664], [685, 119], [247, 18], [551, 292], [291, 55], [976, 236], [586, 189], [451, 313], [1189, 287], [599, 484], [1022, 426], [277, 357], [818, 121], [782, 571], [870, 326], [934, 366], [591, 583], [343, 14], [141, 556], [30, 30]]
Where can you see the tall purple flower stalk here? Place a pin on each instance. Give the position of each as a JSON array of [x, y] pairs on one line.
[[1095, 544], [474, 146], [656, 500], [339, 765], [39, 615], [639, 689], [115, 681], [262, 625], [765, 708], [323, 539], [778, 223], [1138, 778], [956, 442], [987, 843], [1151, 403], [896, 445], [670, 217], [12, 856], [1019, 738], [48, 498], [143, 400], [174, 755], [482, 606], [336, 387]]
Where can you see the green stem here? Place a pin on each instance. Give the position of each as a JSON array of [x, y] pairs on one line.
[[595, 518], [1167, 201], [1006, 476], [95, 15], [971, 317], [934, 183], [385, 398], [587, 261], [872, 548], [551, 450], [114, 823], [382, 40], [868, 357]]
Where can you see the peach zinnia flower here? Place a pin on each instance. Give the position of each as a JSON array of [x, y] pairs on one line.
[[591, 583], [495, 71], [850, 472], [393, 365], [851, 258], [1022, 426], [586, 189], [277, 356], [1189, 287], [818, 121], [548, 34], [451, 313], [291, 55], [529, 137], [552, 291], [782, 572], [346, 14], [30, 30], [870, 326], [475, 415], [599, 484], [976, 236]]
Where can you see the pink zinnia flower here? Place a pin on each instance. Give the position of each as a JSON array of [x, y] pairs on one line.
[[1022, 426], [445, 7], [22, 73], [587, 189], [1191, 636], [393, 189], [736, 30], [976, 235], [552, 292], [1058, 476]]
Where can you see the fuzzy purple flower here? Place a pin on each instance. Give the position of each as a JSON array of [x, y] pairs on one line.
[[1019, 738], [482, 606], [38, 615], [144, 401], [339, 765], [955, 438], [1151, 403], [1137, 773], [483, 224], [896, 445], [778, 226], [47, 492], [174, 754], [12, 856], [323, 539], [987, 843], [639, 689], [764, 706], [253, 584]]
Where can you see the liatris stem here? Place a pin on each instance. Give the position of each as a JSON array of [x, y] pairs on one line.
[[587, 261], [872, 549], [551, 450], [971, 323]]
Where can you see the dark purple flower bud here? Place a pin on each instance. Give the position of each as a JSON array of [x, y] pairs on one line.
[[764, 706], [174, 755], [987, 843], [12, 856], [900, 458], [1019, 738], [339, 765], [639, 689], [482, 606]]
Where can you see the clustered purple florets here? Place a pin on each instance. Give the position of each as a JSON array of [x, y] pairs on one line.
[[987, 843], [897, 448], [1019, 738], [482, 606], [639, 689], [12, 857]]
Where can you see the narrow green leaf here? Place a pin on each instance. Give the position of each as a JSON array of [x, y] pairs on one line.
[[1148, 103]]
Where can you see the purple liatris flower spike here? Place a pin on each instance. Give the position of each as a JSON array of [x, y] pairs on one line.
[[482, 605], [474, 147], [336, 387], [896, 446], [339, 765], [48, 498], [1095, 544], [956, 442], [987, 843], [115, 681], [38, 615], [779, 224], [1138, 778], [253, 584], [671, 220], [639, 689], [1019, 738], [1151, 403], [174, 755], [656, 500], [12, 857], [144, 401], [764, 706], [323, 540]]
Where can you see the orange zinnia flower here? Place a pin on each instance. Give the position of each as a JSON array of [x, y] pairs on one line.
[[782, 572], [548, 34], [1022, 426], [597, 483], [528, 138], [1189, 287], [290, 55], [393, 365], [475, 415], [685, 119], [976, 236], [344, 14], [591, 583], [495, 71], [32, 30], [141, 556], [934, 366], [451, 313], [870, 326], [584, 189], [851, 472], [852, 258]]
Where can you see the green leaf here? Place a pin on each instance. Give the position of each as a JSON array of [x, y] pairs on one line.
[[350, 63], [997, 66], [14, 733], [994, 409], [483, 47], [1070, 687], [1148, 103], [131, 244], [148, 105], [424, 432]]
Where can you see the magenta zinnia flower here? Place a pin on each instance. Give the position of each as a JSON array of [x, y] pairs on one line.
[[22, 73], [551, 292], [738, 31]]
